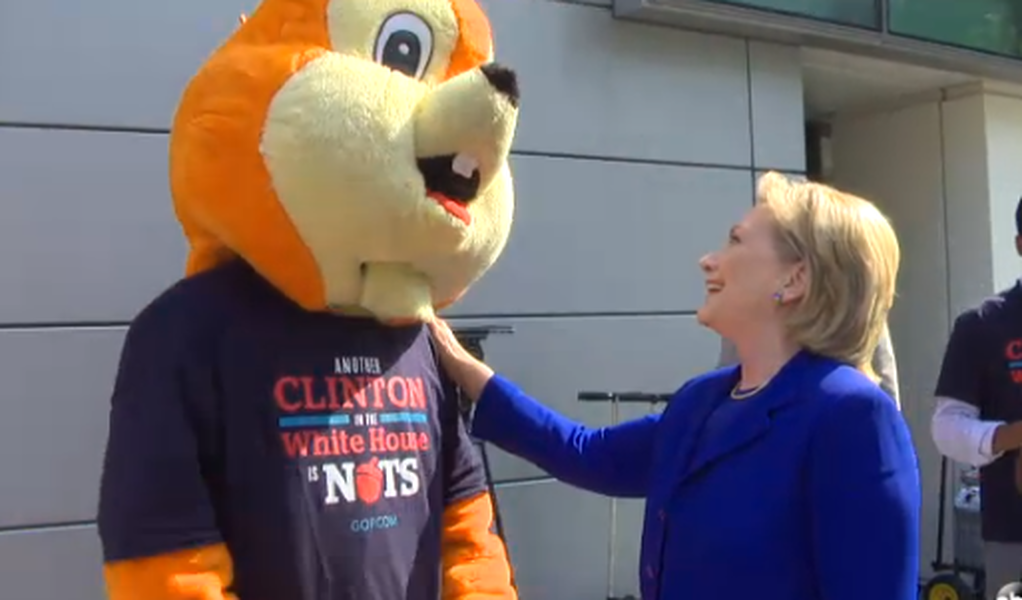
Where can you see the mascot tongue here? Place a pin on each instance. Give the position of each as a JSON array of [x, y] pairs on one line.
[[455, 208], [452, 181]]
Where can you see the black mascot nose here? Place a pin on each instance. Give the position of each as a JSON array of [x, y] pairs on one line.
[[503, 80]]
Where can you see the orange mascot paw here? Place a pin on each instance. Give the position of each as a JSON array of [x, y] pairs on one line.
[[475, 562], [195, 574]]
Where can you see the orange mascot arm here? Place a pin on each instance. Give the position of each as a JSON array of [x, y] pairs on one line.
[[199, 574], [475, 562]]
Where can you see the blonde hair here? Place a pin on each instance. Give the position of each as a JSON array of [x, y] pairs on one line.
[[852, 256]]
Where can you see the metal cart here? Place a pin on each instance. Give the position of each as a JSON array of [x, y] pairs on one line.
[[948, 582], [472, 339], [616, 399]]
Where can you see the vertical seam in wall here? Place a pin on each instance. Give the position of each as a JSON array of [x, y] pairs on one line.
[[988, 191], [752, 125], [942, 145], [944, 206]]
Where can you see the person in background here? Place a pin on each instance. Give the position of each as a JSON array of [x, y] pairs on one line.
[[884, 363], [977, 420], [791, 474]]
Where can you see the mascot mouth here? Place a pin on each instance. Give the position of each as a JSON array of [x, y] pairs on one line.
[[452, 181]]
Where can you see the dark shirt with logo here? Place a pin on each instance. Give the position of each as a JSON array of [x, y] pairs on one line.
[[983, 366], [322, 449]]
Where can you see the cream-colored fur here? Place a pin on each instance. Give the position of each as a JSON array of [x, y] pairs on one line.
[[340, 142]]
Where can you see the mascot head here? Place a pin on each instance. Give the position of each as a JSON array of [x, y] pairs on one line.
[[354, 152]]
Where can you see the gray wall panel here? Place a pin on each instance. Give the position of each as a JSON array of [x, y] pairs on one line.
[[57, 385], [595, 86], [553, 359], [627, 542], [691, 88], [52, 564], [87, 231], [114, 63], [775, 73], [594, 236], [557, 539], [113, 189]]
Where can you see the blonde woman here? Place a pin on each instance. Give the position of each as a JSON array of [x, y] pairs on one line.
[[789, 476]]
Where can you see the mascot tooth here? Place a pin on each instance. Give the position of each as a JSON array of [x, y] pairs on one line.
[[279, 426]]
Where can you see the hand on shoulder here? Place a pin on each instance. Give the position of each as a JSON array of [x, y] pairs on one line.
[[467, 372]]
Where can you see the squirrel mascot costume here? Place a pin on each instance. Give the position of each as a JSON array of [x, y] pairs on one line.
[[279, 426]]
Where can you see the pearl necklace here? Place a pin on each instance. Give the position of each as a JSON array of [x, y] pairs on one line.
[[739, 394]]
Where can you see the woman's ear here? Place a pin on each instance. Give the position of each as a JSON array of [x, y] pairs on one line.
[[797, 284]]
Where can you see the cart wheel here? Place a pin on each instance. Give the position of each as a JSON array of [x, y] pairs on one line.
[[947, 586], [1012, 591]]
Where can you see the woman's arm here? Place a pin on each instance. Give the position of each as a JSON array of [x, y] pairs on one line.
[[865, 499], [609, 460]]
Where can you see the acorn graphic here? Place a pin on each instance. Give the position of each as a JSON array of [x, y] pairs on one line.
[[369, 481]]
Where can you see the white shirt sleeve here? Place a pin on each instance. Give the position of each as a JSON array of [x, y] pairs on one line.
[[886, 367], [960, 435]]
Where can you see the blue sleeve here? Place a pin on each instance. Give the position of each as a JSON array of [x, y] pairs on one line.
[[865, 499], [153, 498], [610, 460]]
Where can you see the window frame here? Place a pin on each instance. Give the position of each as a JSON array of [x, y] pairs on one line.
[[711, 16]]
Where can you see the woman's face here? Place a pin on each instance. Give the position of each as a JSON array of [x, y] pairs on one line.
[[746, 280]]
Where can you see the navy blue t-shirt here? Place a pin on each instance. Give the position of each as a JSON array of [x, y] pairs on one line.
[[322, 449], [983, 367]]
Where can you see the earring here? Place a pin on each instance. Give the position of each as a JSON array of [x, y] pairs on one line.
[[778, 297]]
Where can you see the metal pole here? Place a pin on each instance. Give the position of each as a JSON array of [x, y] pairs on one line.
[[612, 543], [942, 507]]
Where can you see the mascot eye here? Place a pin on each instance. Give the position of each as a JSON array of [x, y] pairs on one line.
[[405, 44]]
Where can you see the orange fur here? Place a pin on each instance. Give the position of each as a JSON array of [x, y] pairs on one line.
[[216, 166], [216, 170], [475, 565], [195, 574], [476, 39], [475, 562]]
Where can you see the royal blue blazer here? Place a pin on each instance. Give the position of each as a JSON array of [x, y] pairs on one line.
[[811, 492]]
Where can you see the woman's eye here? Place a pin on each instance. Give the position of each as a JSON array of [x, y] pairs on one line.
[[405, 44]]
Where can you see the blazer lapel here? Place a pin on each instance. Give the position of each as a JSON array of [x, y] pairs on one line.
[[694, 409], [751, 424]]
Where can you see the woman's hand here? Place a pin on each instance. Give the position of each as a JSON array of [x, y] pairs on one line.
[[468, 372]]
